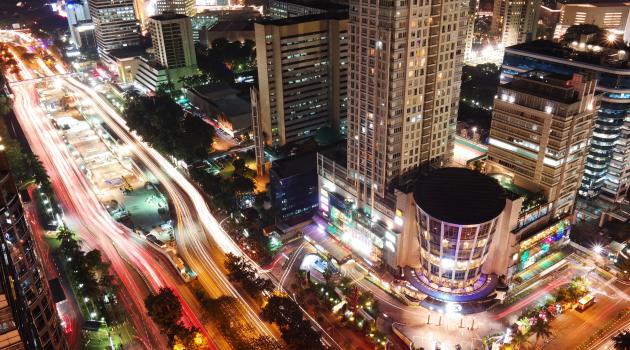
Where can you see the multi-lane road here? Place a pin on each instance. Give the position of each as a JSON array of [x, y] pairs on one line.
[[200, 239]]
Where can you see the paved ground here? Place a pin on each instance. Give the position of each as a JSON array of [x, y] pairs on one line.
[[427, 327]]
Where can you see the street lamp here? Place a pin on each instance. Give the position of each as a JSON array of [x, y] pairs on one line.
[[611, 37]]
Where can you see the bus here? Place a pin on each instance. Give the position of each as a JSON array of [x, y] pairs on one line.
[[585, 302]]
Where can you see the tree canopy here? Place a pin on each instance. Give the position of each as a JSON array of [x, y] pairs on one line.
[[161, 122], [164, 308], [296, 332]]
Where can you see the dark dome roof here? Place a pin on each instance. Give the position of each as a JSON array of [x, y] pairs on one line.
[[459, 196]]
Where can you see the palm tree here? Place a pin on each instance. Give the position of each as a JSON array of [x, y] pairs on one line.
[[542, 330], [520, 340], [622, 341]]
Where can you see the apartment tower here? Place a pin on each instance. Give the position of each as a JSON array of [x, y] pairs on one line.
[[23, 284], [607, 172], [174, 53], [115, 24], [171, 35], [180, 7], [515, 21], [405, 72], [542, 124], [302, 79]]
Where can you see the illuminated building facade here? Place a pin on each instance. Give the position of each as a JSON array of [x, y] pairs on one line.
[[174, 58], [302, 79], [22, 278], [405, 71], [115, 24], [457, 214], [80, 24], [515, 21], [540, 134], [607, 170], [302, 76], [613, 16], [180, 7]]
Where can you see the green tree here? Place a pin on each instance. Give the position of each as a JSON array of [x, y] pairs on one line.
[[622, 341], [161, 122], [39, 172], [242, 184], [520, 341], [67, 244], [576, 32], [326, 136], [282, 311], [165, 310], [239, 166], [187, 337], [196, 139], [541, 329], [5, 105], [328, 274]]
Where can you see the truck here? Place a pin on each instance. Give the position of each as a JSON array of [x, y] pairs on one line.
[[184, 271]]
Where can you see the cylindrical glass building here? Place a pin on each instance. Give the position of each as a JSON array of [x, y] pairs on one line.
[[457, 212]]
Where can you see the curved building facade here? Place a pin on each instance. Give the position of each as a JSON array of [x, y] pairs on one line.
[[21, 273], [457, 212]]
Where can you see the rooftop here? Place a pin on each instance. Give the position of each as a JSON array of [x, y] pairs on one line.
[[305, 162], [604, 57], [233, 106], [168, 16], [327, 5], [127, 52], [296, 165], [303, 19], [551, 86], [233, 26], [459, 196], [216, 90], [605, 3]]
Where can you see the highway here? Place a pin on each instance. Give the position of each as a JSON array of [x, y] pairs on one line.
[[87, 216], [200, 240]]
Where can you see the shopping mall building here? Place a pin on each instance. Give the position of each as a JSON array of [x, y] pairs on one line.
[[456, 237]]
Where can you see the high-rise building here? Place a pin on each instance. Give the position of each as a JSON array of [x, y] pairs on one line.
[[473, 8], [541, 129], [180, 7], [297, 8], [174, 52], [302, 76], [405, 72], [455, 239], [515, 21], [80, 24], [77, 11], [613, 16], [171, 35], [607, 171], [115, 24], [22, 280]]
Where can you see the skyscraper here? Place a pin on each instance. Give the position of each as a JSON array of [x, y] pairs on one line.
[[613, 16], [607, 172], [405, 73], [180, 7], [515, 21], [174, 58], [302, 76], [171, 35], [22, 279], [541, 128], [115, 24], [80, 24]]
